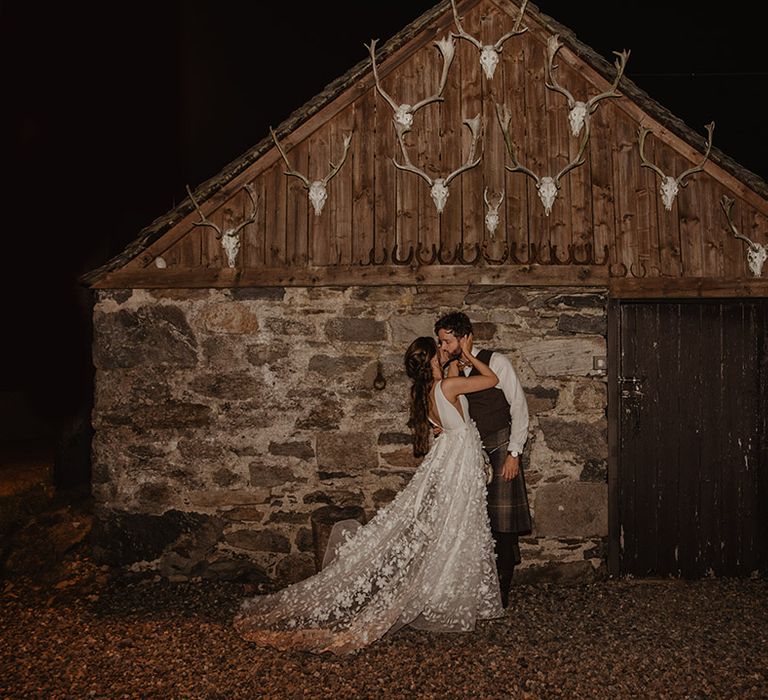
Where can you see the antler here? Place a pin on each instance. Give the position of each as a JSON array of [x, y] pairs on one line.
[[404, 112], [476, 128], [290, 171], [316, 188], [546, 186], [489, 54], [439, 185], [580, 111], [492, 217], [756, 253], [670, 186], [203, 221], [504, 116], [335, 168], [230, 237]]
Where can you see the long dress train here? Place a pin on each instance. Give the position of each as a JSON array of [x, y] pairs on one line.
[[425, 560]]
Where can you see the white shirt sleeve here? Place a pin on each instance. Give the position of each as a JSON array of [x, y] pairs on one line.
[[513, 392]]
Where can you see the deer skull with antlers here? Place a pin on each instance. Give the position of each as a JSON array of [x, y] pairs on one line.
[[316, 189], [492, 216], [439, 186], [756, 253], [229, 237], [489, 53], [581, 111], [546, 186], [670, 186], [404, 112]]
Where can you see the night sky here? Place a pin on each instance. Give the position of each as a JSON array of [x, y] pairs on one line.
[[113, 108]]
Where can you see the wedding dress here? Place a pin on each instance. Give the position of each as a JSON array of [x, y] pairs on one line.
[[425, 560]]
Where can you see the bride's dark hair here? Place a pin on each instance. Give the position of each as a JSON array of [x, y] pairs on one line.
[[417, 366]]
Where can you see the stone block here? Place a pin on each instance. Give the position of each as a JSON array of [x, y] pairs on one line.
[[356, 330], [172, 414], [302, 449], [495, 297], [122, 538], [148, 336], [581, 323], [405, 329], [228, 386], [571, 509], [269, 475], [352, 453], [228, 317], [336, 366], [294, 568], [556, 357], [258, 540], [587, 440], [540, 399]]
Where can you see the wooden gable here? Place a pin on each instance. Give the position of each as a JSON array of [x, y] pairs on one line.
[[608, 226]]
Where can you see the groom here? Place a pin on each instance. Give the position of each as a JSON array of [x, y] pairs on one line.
[[501, 416]]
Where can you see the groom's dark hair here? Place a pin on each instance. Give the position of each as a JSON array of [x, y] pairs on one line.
[[456, 322]]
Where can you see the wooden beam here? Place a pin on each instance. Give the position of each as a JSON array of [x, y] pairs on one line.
[[362, 275], [687, 288]]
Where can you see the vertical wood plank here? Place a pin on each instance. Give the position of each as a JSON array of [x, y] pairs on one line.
[[469, 185], [340, 187], [602, 151], [322, 243], [517, 205], [670, 245], [534, 150], [450, 116], [385, 193], [252, 240], [297, 207], [428, 147], [363, 160]]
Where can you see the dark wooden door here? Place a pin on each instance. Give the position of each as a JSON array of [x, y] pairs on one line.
[[692, 469]]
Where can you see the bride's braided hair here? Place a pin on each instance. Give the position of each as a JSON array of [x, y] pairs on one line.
[[417, 366]]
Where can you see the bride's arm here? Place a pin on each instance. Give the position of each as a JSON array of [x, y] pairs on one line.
[[487, 379]]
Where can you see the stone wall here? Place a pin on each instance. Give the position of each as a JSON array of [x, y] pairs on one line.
[[224, 418]]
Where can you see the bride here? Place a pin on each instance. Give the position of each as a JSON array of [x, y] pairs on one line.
[[425, 560]]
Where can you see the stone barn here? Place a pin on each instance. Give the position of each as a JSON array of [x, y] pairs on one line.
[[248, 344]]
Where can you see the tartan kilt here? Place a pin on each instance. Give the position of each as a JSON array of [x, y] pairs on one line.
[[507, 500]]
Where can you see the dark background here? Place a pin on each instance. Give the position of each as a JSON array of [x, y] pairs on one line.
[[113, 108]]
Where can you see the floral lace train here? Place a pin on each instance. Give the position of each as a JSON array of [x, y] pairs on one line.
[[425, 560]]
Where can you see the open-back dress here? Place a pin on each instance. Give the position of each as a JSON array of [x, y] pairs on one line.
[[426, 560]]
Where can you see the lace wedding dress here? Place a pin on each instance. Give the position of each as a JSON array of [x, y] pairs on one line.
[[426, 560]]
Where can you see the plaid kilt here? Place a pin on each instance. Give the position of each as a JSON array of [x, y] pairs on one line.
[[507, 500]]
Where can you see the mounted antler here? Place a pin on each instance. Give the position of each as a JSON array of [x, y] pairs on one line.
[[670, 186], [492, 217], [546, 186], [489, 53], [229, 237], [756, 253], [439, 185], [580, 111], [404, 112], [316, 188]]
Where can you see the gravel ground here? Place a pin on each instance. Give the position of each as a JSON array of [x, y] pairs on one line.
[[95, 635]]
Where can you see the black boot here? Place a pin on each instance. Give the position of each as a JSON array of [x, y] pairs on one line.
[[505, 583]]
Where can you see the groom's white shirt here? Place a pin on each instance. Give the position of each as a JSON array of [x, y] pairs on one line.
[[513, 392]]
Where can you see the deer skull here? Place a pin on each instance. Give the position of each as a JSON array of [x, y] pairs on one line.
[[756, 258], [547, 188], [318, 195], [669, 189], [230, 241], [439, 194], [489, 59], [577, 116], [404, 116]]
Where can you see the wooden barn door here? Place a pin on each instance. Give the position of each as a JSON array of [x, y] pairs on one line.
[[692, 475]]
